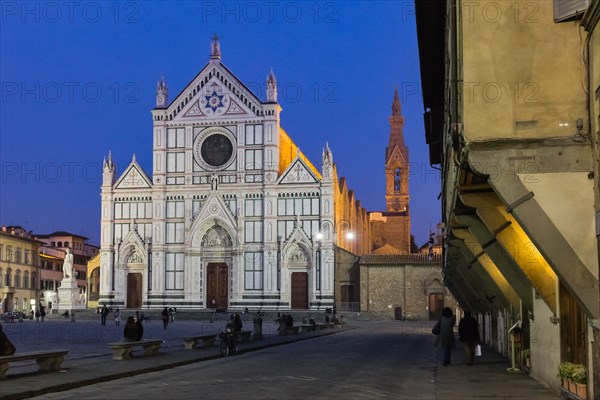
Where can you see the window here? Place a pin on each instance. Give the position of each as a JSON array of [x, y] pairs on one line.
[[7, 277], [60, 244], [298, 206], [175, 209], [26, 256], [52, 244], [253, 271], [254, 159], [253, 231], [9, 254], [1, 251], [1, 278], [175, 138], [196, 206], [18, 279], [174, 271], [397, 179], [175, 233], [254, 208], [66, 244], [318, 270], [254, 134], [285, 228], [141, 210], [176, 162], [18, 256], [26, 280]]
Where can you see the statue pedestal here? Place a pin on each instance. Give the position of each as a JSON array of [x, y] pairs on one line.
[[68, 296]]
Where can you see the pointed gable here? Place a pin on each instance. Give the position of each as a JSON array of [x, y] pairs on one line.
[[134, 177], [213, 210], [215, 93], [298, 172], [396, 157]]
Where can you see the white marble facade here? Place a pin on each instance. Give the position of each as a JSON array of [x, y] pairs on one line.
[[230, 212]]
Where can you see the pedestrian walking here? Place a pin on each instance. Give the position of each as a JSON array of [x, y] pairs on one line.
[[103, 314], [42, 313], [445, 338], [165, 317], [117, 316], [468, 331], [37, 315]]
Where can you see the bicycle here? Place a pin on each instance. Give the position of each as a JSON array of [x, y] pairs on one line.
[[229, 342]]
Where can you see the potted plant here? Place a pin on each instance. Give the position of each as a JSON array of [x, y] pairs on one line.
[[579, 376], [574, 378]]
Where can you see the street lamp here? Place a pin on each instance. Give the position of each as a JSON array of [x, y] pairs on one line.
[[343, 226]]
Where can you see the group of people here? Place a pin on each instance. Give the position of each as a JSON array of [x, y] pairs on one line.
[[39, 313], [468, 331]]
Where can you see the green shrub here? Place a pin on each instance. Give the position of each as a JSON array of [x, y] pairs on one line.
[[573, 372]]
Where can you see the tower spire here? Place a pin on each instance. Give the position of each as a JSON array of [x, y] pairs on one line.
[[162, 93], [396, 106], [215, 48], [271, 87]]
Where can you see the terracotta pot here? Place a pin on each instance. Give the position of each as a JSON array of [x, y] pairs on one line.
[[581, 390]]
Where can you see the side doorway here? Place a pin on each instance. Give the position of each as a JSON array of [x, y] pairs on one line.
[[217, 279], [134, 290], [436, 304], [299, 290]]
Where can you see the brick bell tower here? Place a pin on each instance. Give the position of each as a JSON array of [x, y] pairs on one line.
[[396, 162]]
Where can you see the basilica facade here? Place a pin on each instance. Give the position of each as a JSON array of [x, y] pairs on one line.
[[234, 215]]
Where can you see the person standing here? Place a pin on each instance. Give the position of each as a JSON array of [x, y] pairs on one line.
[[468, 331], [37, 315], [445, 339], [117, 316], [103, 314], [165, 317], [42, 313]]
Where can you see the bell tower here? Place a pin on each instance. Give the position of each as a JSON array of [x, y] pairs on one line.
[[396, 162]]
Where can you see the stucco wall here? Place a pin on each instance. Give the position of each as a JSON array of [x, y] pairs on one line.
[[517, 83]]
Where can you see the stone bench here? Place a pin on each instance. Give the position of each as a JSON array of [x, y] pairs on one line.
[[50, 360], [122, 350], [191, 342], [245, 336], [306, 327]]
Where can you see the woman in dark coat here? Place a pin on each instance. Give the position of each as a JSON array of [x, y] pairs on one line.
[[133, 331], [445, 339]]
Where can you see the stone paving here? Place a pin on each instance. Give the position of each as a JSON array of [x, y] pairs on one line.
[[90, 360]]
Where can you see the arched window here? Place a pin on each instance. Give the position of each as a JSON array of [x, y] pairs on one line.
[[52, 244], [60, 244], [18, 256], [26, 280], [397, 179], [66, 244], [33, 280]]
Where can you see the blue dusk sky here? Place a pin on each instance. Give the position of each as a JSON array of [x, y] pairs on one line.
[[79, 79]]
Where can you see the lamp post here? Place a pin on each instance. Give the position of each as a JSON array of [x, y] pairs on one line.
[[344, 226]]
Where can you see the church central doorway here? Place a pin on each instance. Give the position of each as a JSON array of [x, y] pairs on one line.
[[436, 304], [134, 290], [300, 290], [216, 285]]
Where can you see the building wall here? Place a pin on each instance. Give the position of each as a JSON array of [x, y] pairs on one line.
[[18, 271], [383, 288], [514, 91]]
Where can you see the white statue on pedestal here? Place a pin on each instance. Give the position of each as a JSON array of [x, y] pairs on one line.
[[68, 265]]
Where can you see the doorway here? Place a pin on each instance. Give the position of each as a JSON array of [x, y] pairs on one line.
[[134, 290], [300, 290], [216, 285], [436, 304]]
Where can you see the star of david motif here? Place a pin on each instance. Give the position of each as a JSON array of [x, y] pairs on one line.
[[214, 101]]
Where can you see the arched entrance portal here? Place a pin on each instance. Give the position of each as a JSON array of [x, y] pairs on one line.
[[217, 286]]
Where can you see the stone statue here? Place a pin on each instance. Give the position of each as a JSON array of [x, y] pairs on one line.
[[68, 265]]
